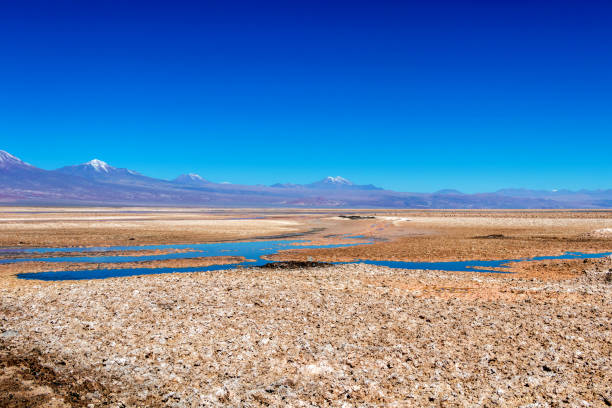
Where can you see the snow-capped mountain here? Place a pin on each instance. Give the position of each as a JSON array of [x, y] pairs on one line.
[[328, 183], [98, 183], [191, 179], [22, 181], [338, 182], [7, 161], [96, 169], [94, 182], [98, 166]]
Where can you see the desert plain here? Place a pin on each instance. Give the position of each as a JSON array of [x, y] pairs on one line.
[[310, 333]]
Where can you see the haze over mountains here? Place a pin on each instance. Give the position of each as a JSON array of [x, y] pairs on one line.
[[98, 183]]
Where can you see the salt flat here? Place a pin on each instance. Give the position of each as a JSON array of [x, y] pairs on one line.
[[336, 336], [343, 335]]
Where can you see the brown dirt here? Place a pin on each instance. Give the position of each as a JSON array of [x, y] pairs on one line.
[[8, 271], [18, 255], [90, 228], [553, 269], [352, 334], [25, 382], [460, 244], [411, 235], [323, 336]]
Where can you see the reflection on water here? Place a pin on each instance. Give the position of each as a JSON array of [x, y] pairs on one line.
[[252, 251]]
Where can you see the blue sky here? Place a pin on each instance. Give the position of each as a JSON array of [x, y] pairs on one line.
[[412, 96]]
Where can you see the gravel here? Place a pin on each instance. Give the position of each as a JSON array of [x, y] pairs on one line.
[[344, 335]]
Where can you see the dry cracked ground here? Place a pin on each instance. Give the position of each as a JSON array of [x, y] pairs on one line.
[[342, 336], [351, 335]]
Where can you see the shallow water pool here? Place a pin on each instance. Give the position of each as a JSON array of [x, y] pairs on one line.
[[252, 251]]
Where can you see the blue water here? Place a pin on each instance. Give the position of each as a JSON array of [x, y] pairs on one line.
[[252, 251], [478, 266]]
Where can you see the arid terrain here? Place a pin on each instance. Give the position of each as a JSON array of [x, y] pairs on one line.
[[328, 335]]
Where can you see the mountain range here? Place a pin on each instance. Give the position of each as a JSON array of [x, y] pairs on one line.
[[98, 183]]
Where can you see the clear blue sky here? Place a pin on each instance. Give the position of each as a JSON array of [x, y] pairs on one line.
[[412, 96]]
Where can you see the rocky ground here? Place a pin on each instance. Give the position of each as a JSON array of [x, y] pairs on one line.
[[350, 335], [312, 334]]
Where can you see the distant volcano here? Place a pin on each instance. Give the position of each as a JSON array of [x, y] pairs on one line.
[[340, 183], [20, 180], [333, 182], [98, 170], [98, 183], [8, 161], [191, 179]]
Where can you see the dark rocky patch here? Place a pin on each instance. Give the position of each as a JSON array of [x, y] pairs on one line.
[[284, 236], [295, 265], [18, 389], [492, 236]]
